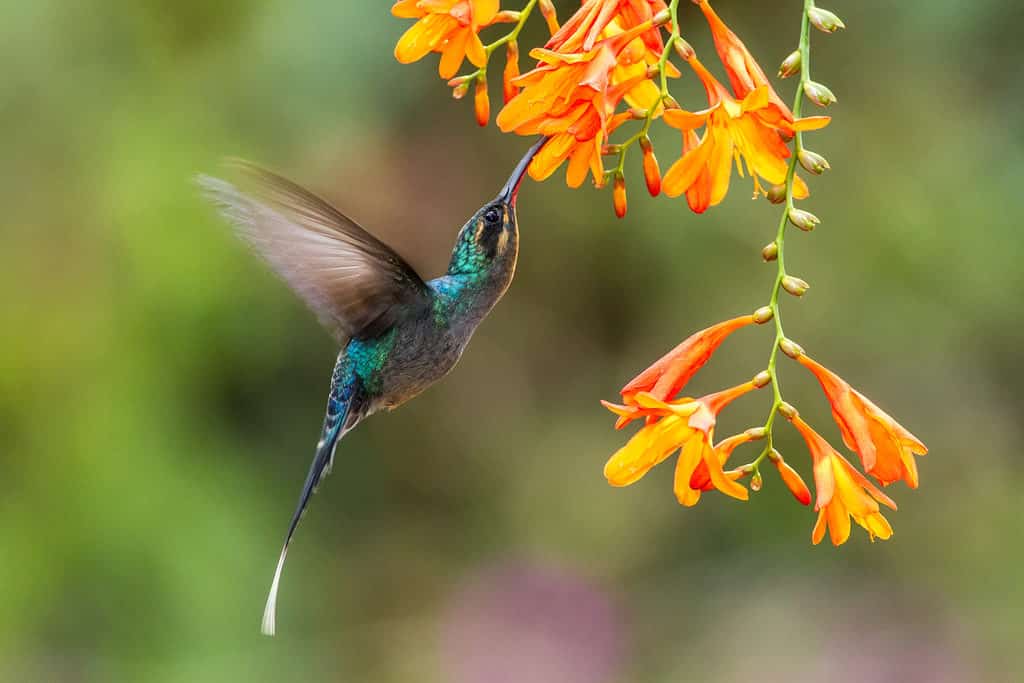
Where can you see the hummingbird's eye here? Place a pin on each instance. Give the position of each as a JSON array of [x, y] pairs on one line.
[[492, 216]]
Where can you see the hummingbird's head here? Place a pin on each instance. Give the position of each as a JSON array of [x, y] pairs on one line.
[[491, 234]]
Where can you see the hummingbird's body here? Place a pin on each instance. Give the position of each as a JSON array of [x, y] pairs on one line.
[[398, 334]]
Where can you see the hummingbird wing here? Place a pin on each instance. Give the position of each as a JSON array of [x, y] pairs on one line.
[[357, 285]]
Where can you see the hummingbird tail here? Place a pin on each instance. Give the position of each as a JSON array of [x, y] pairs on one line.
[[344, 410]]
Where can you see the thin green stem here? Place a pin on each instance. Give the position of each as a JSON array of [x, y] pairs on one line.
[[524, 14], [780, 236]]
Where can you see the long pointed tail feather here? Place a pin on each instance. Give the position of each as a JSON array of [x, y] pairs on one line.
[[342, 414]]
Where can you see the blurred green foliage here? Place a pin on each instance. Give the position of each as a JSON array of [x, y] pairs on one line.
[[161, 393]]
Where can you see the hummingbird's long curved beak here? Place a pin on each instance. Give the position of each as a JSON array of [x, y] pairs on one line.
[[511, 189]]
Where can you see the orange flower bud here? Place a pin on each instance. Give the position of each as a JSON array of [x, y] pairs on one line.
[[813, 162], [459, 90], [763, 315], [793, 481], [684, 49], [652, 173], [824, 20], [791, 348], [481, 102], [788, 411], [818, 93], [790, 65], [619, 195], [547, 10], [770, 252], [795, 285], [509, 89], [805, 220]]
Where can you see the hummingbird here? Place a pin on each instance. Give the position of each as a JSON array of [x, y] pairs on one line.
[[398, 333]]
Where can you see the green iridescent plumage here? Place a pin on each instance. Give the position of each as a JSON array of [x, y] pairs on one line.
[[398, 334]]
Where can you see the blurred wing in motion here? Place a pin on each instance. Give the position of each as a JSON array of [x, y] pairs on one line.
[[357, 285]]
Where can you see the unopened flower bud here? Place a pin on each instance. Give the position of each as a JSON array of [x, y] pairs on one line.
[[791, 348], [790, 65], [824, 20], [776, 194], [684, 49], [652, 172], [756, 482], [805, 220], [818, 93], [459, 90], [770, 252], [481, 102], [813, 162], [756, 432], [507, 17], [793, 481], [619, 195], [547, 9], [761, 379], [763, 315], [509, 89], [787, 411], [662, 17], [795, 285]]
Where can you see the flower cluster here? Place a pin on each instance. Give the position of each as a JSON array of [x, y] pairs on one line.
[[606, 66], [687, 425]]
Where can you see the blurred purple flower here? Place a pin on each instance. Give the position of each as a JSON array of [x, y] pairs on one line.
[[530, 624]]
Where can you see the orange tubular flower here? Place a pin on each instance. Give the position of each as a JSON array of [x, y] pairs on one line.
[[571, 97], [843, 492], [747, 129], [745, 74], [885, 448], [450, 27], [584, 28], [670, 373], [685, 424]]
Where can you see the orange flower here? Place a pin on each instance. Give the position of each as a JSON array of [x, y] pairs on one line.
[[735, 130], [584, 28], [450, 27], [843, 492], [685, 424], [670, 373], [571, 98], [885, 448], [745, 74]]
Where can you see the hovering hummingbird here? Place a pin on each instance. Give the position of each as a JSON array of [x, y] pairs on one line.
[[398, 333]]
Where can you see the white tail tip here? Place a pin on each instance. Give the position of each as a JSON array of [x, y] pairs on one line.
[[270, 611]]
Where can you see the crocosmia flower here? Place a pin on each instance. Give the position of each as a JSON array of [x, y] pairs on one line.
[[745, 74], [885, 447], [843, 493], [584, 28], [450, 27], [686, 424], [670, 373], [747, 130], [571, 98]]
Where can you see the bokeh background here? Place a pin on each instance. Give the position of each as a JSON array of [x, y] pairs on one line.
[[161, 392]]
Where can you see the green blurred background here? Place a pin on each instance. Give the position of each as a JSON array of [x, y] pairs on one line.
[[161, 392]]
